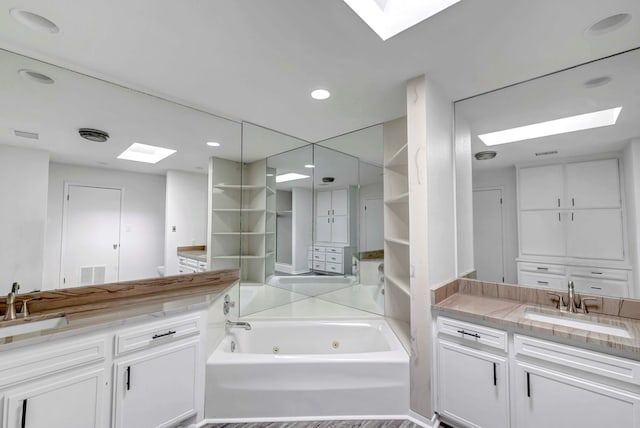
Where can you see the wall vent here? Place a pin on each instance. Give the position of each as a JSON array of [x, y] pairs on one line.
[[26, 134], [553, 152], [92, 275]]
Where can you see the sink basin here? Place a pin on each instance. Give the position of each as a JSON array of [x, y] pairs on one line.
[[14, 328], [569, 321]]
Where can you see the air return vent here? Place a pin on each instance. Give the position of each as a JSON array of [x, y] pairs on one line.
[[553, 152], [93, 135], [26, 134]]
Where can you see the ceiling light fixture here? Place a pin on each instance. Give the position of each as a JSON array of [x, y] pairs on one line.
[[580, 122], [485, 155], [213, 144], [34, 21], [320, 94], [289, 177], [145, 153], [36, 77], [390, 17], [94, 135], [597, 82], [309, 165], [608, 24]]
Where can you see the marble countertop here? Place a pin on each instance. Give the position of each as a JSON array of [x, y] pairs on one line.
[[510, 315], [103, 305], [200, 255]]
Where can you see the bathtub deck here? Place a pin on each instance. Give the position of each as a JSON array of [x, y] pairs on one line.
[[321, 424]]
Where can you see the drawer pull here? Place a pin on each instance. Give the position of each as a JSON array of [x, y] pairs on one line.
[[23, 422], [128, 381], [528, 385], [596, 288], [476, 335], [543, 282], [596, 273], [542, 268], [169, 333], [495, 375]]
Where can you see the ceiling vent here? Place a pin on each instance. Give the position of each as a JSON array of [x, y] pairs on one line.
[[328, 179], [26, 134], [93, 135], [553, 152]]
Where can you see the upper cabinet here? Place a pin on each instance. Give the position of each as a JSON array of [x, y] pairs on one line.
[[541, 187], [593, 184], [335, 216]]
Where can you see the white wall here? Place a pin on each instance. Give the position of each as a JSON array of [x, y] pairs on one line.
[[464, 198], [23, 191], [504, 178], [368, 191], [632, 189], [143, 213], [186, 209]]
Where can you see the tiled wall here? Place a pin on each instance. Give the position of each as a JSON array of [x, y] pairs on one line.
[[616, 306]]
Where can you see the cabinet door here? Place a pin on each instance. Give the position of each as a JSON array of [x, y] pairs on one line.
[[593, 184], [340, 229], [158, 387], [340, 202], [71, 401], [472, 386], [323, 203], [595, 234], [545, 398], [542, 233], [541, 187], [323, 229]]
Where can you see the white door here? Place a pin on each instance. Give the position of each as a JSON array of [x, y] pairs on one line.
[[472, 386], [157, 388], [545, 398], [91, 242], [595, 234], [542, 233], [373, 224], [487, 235], [72, 401], [323, 203], [593, 184], [323, 229], [340, 229], [541, 187], [340, 202]]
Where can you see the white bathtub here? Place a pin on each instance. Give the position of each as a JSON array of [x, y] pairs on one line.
[[308, 368]]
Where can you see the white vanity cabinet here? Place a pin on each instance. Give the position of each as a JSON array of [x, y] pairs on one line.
[[335, 216], [472, 374]]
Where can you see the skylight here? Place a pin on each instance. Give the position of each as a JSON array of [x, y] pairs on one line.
[[289, 177], [390, 17], [580, 122], [144, 153]]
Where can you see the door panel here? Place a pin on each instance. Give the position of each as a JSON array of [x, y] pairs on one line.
[[593, 184], [340, 202], [542, 233], [373, 225], [323, 229], [541, 187], [339, 229], [323, 201], [487, 235], [595, 234]]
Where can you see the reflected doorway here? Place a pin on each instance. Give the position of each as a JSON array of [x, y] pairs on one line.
[[487, 234]]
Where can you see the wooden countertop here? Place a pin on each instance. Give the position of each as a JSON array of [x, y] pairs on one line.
[[93, 305]]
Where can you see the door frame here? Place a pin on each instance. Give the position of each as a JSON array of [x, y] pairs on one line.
[[65, 193], [502, 225]]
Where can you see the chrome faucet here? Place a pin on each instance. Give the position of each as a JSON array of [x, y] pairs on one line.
[[571, 296], [571, 305], [10, 313], [238, 324]]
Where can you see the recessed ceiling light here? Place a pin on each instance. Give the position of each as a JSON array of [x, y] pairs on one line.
[[580, 122], [289, 177], [145, 153], [36, 77], [320, 94], [598, 81], [309, 166], [608, 24], [94, 135], [485, 155], [213, 144], [34, 21], [390, 17]]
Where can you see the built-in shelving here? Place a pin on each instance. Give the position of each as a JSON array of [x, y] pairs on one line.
[[402, 284], [402, 198], [399, 158], [397, 241]]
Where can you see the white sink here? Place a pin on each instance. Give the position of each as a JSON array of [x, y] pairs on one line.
[[31, 326], [569, 321]]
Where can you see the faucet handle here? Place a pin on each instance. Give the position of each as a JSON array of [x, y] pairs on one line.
[[25, 310], [560, 305], [583, 303]]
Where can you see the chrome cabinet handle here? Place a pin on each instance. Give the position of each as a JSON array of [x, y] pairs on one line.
[[169, 333], [542, 268], [476, 335], [543, 282]]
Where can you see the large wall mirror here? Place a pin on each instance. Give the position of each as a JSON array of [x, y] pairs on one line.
[[74, 212], [556, 179]]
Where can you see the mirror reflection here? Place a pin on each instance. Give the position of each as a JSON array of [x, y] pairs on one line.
[[555, 179]]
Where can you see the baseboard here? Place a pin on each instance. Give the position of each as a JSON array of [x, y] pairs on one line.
[[310, 418], [418, 419]]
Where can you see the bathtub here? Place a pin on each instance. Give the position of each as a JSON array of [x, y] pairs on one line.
[[308, 368]]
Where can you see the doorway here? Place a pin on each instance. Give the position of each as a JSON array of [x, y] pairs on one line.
[[90, 251], [488, 244]]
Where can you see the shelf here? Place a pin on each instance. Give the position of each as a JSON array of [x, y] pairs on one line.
[[239, 233], [397, 241], [245, 257], [403, 285], [400, 199], [239, 186], [284, 212], [398, 158], [245, 210], [270, 190]]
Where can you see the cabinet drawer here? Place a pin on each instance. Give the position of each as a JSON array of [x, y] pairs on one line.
[[335, 250], [334, 258], [319, 257], [335, 267], [319, 265], [473, 333], [202, 265], [319, 249], [597, 273], [531, 279], [601, 287], [161, 332], [581, 359], [541, 268]]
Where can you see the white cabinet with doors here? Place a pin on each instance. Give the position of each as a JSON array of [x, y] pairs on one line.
[[541, 187], [335, 216]]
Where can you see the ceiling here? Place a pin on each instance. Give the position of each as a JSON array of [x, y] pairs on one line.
[[259, 60], [553, 97]]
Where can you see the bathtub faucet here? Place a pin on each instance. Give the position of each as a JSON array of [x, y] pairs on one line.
[[234, 324]]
